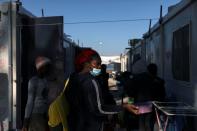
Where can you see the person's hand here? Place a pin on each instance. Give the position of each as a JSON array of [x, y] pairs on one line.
[[131, 108], [24, 129]]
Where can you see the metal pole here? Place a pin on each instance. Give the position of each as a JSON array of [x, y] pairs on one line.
[[10, 71], [149, 29], [78, 42], [161, 14], [131, 65], [42, 12]]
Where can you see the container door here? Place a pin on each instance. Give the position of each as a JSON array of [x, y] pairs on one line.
[[38, 36]]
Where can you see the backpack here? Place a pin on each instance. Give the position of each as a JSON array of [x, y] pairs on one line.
[[58, 110]]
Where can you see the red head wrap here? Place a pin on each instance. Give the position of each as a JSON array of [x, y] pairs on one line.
[[83, 57]]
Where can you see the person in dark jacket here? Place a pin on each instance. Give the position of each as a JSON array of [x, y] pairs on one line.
[[37, 104], [87, 109], [103, 81], [108, 98], [147, 87], [158, 87]]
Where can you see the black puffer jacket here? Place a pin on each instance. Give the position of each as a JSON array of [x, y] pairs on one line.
[[85, 99], [144, 87]]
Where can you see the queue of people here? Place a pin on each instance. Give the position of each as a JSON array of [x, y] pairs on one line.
[[87, 93]]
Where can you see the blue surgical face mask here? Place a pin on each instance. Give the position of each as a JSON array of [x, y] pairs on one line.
[[95, 72]]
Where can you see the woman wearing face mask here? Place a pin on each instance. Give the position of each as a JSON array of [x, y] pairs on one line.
[[87, 111]]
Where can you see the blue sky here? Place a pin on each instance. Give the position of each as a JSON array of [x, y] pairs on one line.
[[106, 38]]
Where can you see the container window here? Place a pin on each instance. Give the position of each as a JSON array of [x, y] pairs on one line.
[[180, 54]]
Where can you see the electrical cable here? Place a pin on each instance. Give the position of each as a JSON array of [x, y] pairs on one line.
[[93, 22]]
